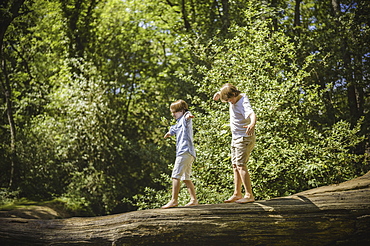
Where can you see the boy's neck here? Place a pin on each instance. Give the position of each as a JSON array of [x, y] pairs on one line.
[[238, 98]]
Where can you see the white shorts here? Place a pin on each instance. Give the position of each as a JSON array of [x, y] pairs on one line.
[[182, 168]]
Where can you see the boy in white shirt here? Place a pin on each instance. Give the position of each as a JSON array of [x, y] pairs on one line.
[[242, 124]]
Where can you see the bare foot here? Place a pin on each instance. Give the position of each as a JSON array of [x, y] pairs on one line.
[[170, 205], [232, 199], [192, 203], [245, 200]]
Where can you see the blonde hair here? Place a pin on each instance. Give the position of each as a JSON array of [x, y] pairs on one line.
[[178, 106], [228, 91]]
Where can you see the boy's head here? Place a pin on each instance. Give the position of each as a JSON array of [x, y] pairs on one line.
[[179, 106], [228, 91]]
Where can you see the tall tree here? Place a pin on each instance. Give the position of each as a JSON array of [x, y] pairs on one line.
[[80, 18], [343, 36], [9, 11]]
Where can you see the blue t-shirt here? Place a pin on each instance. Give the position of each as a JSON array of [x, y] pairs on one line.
[[184, 135]]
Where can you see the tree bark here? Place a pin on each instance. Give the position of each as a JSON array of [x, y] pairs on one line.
[[8, 12], [329, 215], [349, 75], [297, 13], [6, 87]]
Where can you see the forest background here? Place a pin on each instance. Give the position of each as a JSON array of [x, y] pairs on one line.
[[86, 87]]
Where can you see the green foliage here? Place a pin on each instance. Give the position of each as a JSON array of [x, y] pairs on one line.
[[91, 86], [292, 153], [82, 143], [7, 197], [280, 167], [154, 198], [64, 206]]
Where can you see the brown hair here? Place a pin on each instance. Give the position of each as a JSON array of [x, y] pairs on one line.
[[179, 105], [228, 91]]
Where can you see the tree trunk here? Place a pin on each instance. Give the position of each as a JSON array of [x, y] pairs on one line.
[[297, 13], [8, 12], [225, 16], [275, 26], [352, 88], [185, 16], [329, 215], [9, 113]]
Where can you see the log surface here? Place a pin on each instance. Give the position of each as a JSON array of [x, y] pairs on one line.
[[329, 215]]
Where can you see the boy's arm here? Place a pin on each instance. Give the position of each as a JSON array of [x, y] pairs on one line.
[[170, 133], [189, 115], [251, 126], [216, 96]]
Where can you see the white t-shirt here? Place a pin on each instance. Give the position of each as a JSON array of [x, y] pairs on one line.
[[240, 116]]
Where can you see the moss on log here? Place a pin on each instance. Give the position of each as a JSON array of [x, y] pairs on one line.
[[330, 215]]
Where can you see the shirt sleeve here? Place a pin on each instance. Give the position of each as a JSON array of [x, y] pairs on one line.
[[186, 115], [172, 130], [247, 107]]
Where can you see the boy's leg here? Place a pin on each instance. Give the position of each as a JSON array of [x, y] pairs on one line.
[[182, 169], [245, 177], [176, 184], [191, 190], [237, 182], [243, 152], [237, 186], [186, 178]]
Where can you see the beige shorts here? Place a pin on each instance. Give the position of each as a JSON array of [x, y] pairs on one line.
[[241, 149], [182, 168]]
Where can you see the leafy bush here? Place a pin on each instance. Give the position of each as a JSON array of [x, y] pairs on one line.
[[295, 150]]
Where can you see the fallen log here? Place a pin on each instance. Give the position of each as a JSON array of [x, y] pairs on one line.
[[329, 215]]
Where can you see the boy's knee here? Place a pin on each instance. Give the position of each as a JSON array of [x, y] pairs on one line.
[[241, 167]]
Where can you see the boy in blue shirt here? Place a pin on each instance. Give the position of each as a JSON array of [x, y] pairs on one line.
[[185, 152], [242, 124]]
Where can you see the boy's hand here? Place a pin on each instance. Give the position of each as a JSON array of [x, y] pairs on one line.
[[216, 96], [167, 135], [190, 116], [250, 129]]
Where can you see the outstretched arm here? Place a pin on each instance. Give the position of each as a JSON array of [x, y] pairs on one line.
[[189, 115], [216, 96], [167, 135]]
